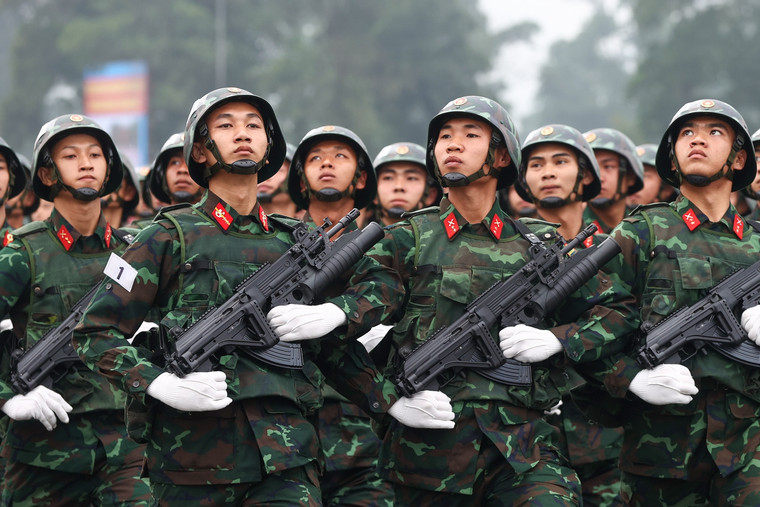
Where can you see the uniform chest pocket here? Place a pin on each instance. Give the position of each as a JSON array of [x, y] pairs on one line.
[[671, 285], [462, 284]]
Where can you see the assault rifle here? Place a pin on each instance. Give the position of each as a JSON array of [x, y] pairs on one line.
[[526, 297], [297, 277], [711, 320], [53, 351]]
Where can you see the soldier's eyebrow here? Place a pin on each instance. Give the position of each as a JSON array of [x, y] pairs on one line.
[[710, 124], [230, 115], [553, 155]]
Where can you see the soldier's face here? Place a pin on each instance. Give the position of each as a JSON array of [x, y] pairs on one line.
[[4, 176], [756, 183], [178, 177], [332, 164], [462, 146], [551, 170], [239, 131], [401, 185], [648, 194], [80, 161], [272, 183], [702, 146], [609, 172]]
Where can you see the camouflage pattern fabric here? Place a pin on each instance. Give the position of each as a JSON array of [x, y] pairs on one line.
[[590, 217], [442, 275], [45, 270], [265, 430], [349, 445], [717, 435]]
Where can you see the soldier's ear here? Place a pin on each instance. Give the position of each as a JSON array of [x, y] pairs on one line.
[[47, 176], [197, 153], [501, 157], [740, 161]]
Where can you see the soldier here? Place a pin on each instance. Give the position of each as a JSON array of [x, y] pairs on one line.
[[170, 180], [500, 449], [653, 186], [403, 183], [559, 173], [12, 183], [18, 209], [274, 191], [621, 173], [241, 432], [752, 191], [691, 432], [46, 269], [328, 161], [119, 205]]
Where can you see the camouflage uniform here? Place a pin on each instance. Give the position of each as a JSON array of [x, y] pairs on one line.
[[707, 451], [349, 446], [46, 269], [261, 447], [591, 448], [501, 440]]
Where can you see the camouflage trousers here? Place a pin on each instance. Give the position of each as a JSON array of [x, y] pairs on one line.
[[289, 488], [361, 487], [601, 483], [550, 482], [739, 488], [111, 484]]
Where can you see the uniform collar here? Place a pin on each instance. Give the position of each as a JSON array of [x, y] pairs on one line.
[[227, 219], [68, 235], [694, 218], [495, 221]]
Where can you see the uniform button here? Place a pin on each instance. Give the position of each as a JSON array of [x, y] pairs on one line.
[[136, 383], [375, 405], [108, 286], [38, 290], [356, 315], [187, 266]]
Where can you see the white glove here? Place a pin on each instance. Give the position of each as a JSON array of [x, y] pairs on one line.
[[425, 409], [374, 336], [528, 344], [196, 392], [292, 323], [664, 384], [751, 323], [40, 403], [555, 410]]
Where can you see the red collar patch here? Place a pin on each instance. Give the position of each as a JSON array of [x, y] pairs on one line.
[[496, 226], [222, 217], [691, 220], [451, 225], [108, 235], [66, 240], [738, 226], [263, 219], [7, 238]]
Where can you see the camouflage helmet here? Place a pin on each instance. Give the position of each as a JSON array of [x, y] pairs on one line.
[[363, 196], [157, 175], [16, 173], [407, 152], [561, 134], [193, 131], [484, 109], [647, 153], [290, 150], [615, 141], [747, 191], [756, 138], [707, 107], [131, 175], [63, 126]]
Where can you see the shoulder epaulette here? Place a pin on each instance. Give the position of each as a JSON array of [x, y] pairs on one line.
[[642, 207], [126, 234], [754, 224], [423, 211], [30, 228], [180, 207]]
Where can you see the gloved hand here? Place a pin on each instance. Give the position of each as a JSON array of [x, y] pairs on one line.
[[195, 392], [555, 410], [40, 403], [751, 323], [374, 336], [292, 323], [425, 409], [664, 384], [528, 344]]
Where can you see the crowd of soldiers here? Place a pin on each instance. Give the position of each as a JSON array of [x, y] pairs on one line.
[[592, 424]]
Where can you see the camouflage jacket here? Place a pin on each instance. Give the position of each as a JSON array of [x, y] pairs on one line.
[[445, 263], [671, 255], [46, 269], [183, 275]]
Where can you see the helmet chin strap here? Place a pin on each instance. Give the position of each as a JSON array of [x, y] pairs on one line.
[[460, 180], [182, 196], [553, 202], [698, 180], [244, 166]]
